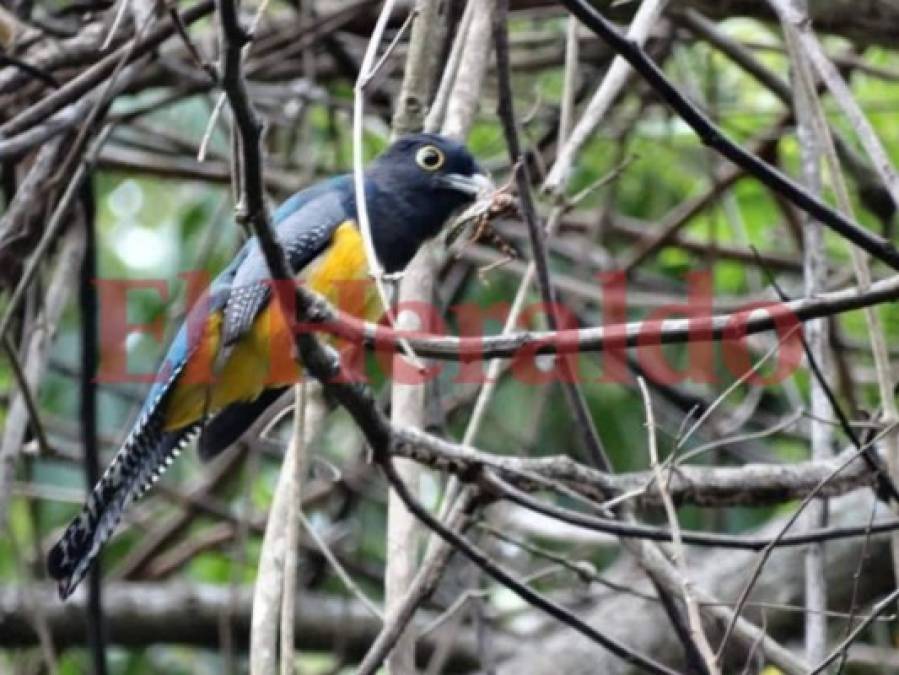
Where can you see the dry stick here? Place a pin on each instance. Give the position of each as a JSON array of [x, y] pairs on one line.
[[814, 274], [783, 657], [679, 216], [420, 68], [602, 100], [677, 458], [84, 108], [251, 209], [697, 635], [192, 49], [226, 628], [35, 353], [27, 198], [645, 18], [458, 604], [574, 395], [292, 535], [408, 401], [569, 80], [860, 265], [794, 15], [186, 612], [367, 72], [435, 119], [429, 574], [492, 376], [463, 91], [784, 424], [453, 113], [454, 109], [863, 277], [437, 113], [100, 107], [712, 135], [266, 601], [583, 569], [565, 119], [29, 69], [268, 591], [123, 6], [732, 387], [36, 610]]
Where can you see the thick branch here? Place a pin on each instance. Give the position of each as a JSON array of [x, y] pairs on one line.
[[324, 318], [191, 614], [748, 485], [723, 576]]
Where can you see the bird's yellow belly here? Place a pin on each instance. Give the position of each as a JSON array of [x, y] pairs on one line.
[[263, 357]]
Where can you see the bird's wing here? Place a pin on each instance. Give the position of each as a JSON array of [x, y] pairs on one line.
[[303, 233], [303, 227]]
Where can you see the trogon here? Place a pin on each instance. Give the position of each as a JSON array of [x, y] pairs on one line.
[[410, 192]]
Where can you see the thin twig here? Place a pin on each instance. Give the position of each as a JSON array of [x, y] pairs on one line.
[[645, 18], [292, 534], [880, 608], [697, 634], [367, 72], [27, 395], [339, 570], [505, 109]]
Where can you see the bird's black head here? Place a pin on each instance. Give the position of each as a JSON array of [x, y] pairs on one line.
[[413, 188]]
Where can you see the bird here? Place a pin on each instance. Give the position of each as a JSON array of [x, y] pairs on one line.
[[216, 377]]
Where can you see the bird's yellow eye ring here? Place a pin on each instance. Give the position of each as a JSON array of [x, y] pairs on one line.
[[429, 158]]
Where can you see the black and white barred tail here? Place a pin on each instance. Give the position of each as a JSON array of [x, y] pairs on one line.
[[145, 455]]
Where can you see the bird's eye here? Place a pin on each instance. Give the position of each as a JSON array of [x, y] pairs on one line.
[[429, 158]]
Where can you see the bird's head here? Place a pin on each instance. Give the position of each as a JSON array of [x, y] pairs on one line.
[[413, 188]]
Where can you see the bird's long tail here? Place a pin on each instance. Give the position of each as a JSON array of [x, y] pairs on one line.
[[145, 455]]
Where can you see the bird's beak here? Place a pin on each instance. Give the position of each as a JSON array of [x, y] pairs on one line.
[[475, 185]]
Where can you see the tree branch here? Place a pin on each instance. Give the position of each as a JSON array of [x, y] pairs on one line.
[[712, 135]]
